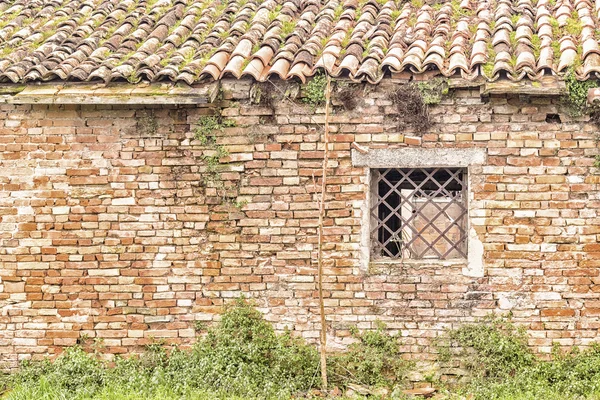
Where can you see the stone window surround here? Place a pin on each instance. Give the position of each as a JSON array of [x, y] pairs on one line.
[[405, 157]]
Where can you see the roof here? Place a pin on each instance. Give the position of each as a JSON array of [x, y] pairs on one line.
[[194, 41]]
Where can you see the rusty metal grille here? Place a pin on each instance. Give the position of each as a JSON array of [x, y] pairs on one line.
[[419, 213]]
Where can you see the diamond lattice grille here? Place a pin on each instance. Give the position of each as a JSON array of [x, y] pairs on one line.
[[419, 213]]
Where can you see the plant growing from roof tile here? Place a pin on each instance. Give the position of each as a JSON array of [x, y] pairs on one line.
[[346, 40], [513, 38], [287, 27], [488, 68], [357, 14], [514, 19], [366, 45], [337, 13], [536, 44], [573, 25], [412, 20], [458, 12], [224, 34], [166, 58]]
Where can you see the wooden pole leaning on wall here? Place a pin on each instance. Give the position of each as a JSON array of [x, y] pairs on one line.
[[323, 336]]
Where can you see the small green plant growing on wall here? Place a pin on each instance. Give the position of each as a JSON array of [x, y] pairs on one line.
[[314, 91], [205, 133], [576, 101], [433, 91], [577, 91]]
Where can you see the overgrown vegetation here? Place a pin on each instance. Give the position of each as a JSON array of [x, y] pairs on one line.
[[494, 348], [412, 103], [502, 367], [576, 103], [242, 357]]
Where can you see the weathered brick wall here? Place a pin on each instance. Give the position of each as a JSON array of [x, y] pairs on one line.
[[108, 230]]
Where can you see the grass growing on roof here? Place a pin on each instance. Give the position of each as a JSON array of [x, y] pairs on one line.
[[287, 27]]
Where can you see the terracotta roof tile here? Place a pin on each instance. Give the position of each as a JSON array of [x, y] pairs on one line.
[[192, 41]]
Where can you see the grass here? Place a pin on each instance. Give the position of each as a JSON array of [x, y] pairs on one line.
[[242, 357]]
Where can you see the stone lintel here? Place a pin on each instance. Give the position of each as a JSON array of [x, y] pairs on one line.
[[408, 157]]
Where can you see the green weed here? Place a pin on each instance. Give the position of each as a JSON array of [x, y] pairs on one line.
[[287, 28], [574, 375], [314, 90], [433, 90], [494, 348], [577, 91], [374, 360]]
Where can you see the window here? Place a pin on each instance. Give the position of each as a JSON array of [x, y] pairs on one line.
[[419, 213]]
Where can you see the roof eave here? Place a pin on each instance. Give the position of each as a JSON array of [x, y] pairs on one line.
[[109, 94], [546, 86]]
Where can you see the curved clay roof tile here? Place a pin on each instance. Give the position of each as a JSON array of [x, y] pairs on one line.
[[281, 68], [590, 46], [255, 68], [154, 43]]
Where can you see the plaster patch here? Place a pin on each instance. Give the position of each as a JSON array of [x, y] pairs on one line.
[[475, 255]]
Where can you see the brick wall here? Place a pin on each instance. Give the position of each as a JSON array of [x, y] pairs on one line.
[[108, 229]]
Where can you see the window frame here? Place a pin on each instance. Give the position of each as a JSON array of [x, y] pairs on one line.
[[472, 159]]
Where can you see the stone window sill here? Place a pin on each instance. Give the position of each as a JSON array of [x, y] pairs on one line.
[[398, 266]]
